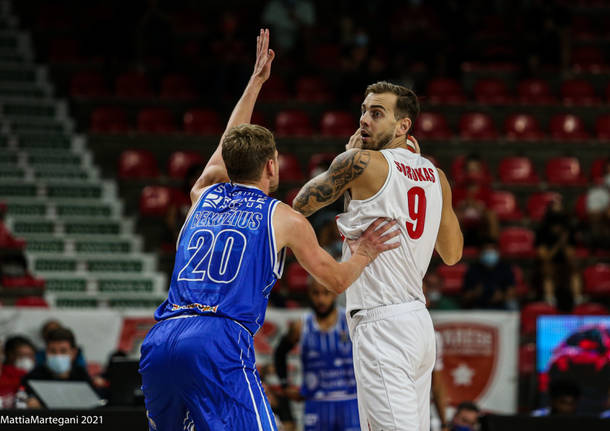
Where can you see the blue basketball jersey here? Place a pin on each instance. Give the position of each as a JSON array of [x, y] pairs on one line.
[[226, 258], [326, 356]]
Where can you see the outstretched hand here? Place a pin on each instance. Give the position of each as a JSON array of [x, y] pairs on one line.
[[373, 241], [264, 56]]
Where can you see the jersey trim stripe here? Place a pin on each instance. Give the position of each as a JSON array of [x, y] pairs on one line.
[[277, 263], [192, 211], [241, 353]]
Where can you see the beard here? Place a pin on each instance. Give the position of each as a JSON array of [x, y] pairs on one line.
[[324, 313], [379, 143]]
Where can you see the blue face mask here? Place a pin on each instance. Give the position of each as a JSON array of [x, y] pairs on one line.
[[59, 364], [461, 428], [490, 257]]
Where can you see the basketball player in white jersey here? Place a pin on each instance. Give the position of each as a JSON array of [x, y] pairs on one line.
[[385, 176]]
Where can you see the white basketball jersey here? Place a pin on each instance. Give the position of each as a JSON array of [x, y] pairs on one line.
[[412, 196]]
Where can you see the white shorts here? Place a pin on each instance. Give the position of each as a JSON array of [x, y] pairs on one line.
[[394, 354]]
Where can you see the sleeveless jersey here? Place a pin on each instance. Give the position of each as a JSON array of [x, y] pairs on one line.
[[326, 357], [411, 195], [226, 258]]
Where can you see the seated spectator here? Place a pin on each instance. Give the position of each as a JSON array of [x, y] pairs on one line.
[[564, 395], [18, 361], [597, 229], [466, 417], [61, 354], [558, 268], [477, 221], [490, 282], [41, 355], [432, 286]]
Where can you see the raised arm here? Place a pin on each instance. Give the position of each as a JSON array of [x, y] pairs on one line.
[[450, 241], [294, 231], [327, 187], [215, 170]]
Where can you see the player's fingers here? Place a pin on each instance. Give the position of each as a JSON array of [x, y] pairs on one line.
[[388, 236], [390, 224], [390, 246], [373, 226], [271, 56], [266, 41]]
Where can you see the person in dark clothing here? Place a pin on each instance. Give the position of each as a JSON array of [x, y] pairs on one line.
[[490, 282], [18, 361], [61, 353]]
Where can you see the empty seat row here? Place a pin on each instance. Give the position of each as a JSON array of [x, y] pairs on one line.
[[518, 126], [207, 122], [529, 91]]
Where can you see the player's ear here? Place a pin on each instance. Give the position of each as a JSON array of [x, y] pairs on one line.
[[404, 124]]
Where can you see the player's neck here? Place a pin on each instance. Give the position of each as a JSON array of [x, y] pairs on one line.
[[327, 322], [399, 142], [261, 185]]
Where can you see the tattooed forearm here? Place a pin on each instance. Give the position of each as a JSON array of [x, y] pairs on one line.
[[327, 187]]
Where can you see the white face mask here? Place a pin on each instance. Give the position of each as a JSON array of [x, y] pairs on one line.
[[25, 363]]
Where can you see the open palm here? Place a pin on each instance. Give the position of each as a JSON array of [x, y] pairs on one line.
[[264, 56]]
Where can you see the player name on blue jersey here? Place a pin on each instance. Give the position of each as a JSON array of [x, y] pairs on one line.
[[226, 258]]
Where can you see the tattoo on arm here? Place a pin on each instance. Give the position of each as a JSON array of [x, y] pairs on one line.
[[327, 187]]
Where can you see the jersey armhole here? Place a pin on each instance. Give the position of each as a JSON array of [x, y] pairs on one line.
[[192, 211], [277, 262]]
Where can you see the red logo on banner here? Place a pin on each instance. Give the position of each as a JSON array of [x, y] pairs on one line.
[[470, 353], [133, 333]]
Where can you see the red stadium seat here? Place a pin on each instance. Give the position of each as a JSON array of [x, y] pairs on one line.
[[598, 169], [137, 164], [578, 92], [522, 127], [296, 277], [564, 171], [87, 84], [535, 92], [327, 56], [338, 123], [580, 207], [597, 279], [527, 359], [319, 162], [290, 168], [521, 287], [292, 123], [274, 90], [491, 91], [133, 85], [155, 200], [587, 58], [530, 312], [590, 309], [517, 170], [31, 301], [446, 91], [108, 120], [202, 122], [312, 89], [24, 281], [181, 161], [477, 125], [453, 277], [504, 204], [608, 92], [537, 203], [177, 87], [568, 127], [156, 120], [517, 242], [432, 125], [602, 127]]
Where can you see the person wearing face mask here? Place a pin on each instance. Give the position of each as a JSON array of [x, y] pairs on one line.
[[489, 283], [466, 417], [18, 361], [61, 353]]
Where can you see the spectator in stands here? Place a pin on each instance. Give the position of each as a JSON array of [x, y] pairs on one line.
[[597, 229], [564, 395], [154, 37], [48, 327], [61, 354], [557, 261], [325, 225], [288, 20], [433, 289], [466, 417], [490, 282], [18, 361], [477, 221]]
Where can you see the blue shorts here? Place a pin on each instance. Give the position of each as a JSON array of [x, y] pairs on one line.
[[331, 415], [198, 373]]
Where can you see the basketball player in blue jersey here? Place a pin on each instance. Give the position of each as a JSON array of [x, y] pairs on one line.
[[329, 385], [197, 364]]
